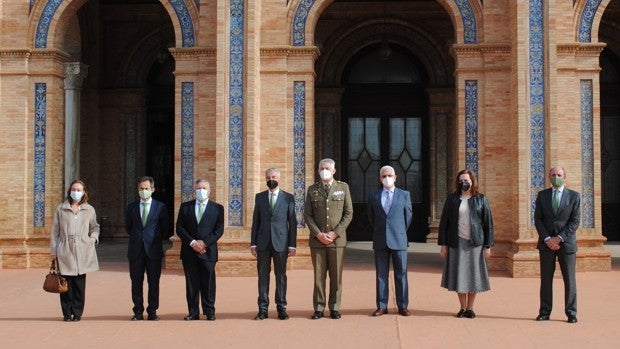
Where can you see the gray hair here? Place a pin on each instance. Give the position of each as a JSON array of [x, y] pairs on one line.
[[327, 161]]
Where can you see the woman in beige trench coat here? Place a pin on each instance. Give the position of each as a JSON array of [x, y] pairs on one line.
[[75, 232]]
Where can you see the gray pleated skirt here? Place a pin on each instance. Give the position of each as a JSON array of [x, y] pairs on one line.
[[465, 269]]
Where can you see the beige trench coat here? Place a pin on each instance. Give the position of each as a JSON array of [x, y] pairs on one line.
[[71, 239]]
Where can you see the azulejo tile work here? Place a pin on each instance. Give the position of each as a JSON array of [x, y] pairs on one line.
[[40, 90], [235, 138], [537, 102], [587, 156]]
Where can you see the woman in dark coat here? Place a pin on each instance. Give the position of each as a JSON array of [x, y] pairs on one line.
[[466, 237]]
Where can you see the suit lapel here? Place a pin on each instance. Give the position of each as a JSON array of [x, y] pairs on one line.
[[152, 208], [275, 204], [563, 200], [394, 201]]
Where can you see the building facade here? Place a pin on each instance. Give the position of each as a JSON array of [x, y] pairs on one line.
[[109, 90]]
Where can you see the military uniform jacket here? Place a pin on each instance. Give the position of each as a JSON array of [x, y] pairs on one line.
[[326, 212]]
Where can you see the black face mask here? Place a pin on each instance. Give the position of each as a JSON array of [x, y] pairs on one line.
[[464, 186], [272, 184]]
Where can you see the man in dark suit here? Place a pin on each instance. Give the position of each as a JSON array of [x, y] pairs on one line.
[[328, 210], [146, 222], [274, 236], [389, 213], [557, 217], [200, 225]]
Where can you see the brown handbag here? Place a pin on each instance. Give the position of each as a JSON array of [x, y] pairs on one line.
[[54, 282]]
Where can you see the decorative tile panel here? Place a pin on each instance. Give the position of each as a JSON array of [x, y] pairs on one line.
[[187, 141], [587, 155], [441, 163], [185, 20], [470, 35], [537, 103], [586, 19], [40, 38], [299, 149], [299, 22], [471, 125], [235, 136], [179, 6], [40, 115]]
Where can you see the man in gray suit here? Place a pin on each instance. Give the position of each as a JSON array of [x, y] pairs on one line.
[[389, 213], [274, 236], [557, 217]]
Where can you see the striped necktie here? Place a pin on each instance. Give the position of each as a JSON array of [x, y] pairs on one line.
[[555, 202]]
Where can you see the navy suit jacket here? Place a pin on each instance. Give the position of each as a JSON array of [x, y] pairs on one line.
[[209, 230], [564, 223], [279, 227], [390, 230], [149, 236]]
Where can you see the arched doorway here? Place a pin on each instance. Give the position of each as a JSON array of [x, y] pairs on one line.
[[384, 93], [610, 121], [160, 130], [128, 99], [384, 116]]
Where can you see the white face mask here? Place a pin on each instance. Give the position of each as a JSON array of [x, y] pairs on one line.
[[202, 194], [76, 195], [145, 193], [325, 174], [388, 182]]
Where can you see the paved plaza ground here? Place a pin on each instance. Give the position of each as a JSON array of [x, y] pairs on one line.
[[31, 318]]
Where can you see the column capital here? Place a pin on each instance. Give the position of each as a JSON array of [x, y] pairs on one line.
[[75, 73]]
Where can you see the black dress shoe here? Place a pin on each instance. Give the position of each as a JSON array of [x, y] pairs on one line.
[[77, 318], [317, 315], [461, 313], [335, 314], [152, 317], [211, 317], [542, 317], [404, 312], [67, 318], [572, 319], [262, 315], [282, 315], [469, 314], [137, 317], [191, 317], [379, 312]]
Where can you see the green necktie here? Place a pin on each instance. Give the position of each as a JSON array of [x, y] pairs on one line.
[[556, 200], [272, 200], [201, 210], [145, 213]]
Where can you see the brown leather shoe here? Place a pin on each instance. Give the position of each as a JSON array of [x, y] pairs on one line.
[[379, 312], [404, 312]]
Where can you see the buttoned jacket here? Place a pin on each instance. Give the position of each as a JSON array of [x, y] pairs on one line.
[[480, 216], [563, 223], [71, 239], [390, 229], [328, 211]]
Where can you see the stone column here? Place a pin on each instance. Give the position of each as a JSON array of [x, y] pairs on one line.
[[441, 112], [75, 72]]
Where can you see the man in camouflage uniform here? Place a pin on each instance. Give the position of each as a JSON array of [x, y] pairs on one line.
[[328, 212]]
